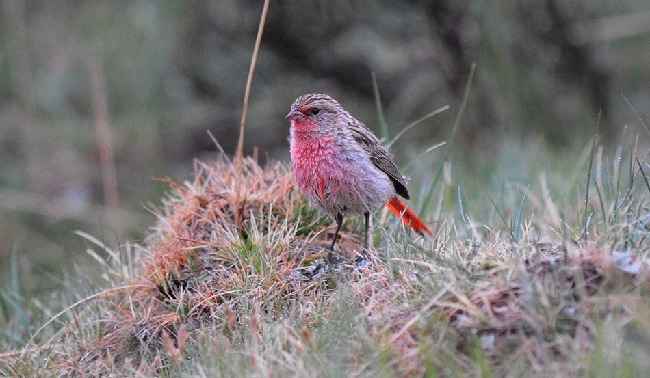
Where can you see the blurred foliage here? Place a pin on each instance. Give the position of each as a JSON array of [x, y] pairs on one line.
[[173, 70]]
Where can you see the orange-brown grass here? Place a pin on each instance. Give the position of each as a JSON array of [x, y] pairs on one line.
[[233, 278], [226, 249], [219, 199]]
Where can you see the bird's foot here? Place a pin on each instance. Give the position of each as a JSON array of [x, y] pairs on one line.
[[331, 259]]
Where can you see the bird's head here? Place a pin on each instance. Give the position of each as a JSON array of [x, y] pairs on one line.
[[315, 112]]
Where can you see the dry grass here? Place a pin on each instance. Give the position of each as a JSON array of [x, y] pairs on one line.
[[232, 282]]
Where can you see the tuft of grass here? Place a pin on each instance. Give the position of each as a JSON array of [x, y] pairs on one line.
[[309, 219], [14, 315]]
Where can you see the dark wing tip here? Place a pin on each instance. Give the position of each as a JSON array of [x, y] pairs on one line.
[[400, 188], [379, 156]]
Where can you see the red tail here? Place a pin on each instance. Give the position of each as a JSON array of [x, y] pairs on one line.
[[408, 216]]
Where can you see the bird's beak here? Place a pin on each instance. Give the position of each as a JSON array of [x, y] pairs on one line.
[[293, 114]]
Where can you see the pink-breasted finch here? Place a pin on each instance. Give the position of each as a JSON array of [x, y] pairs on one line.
[[341, 166]]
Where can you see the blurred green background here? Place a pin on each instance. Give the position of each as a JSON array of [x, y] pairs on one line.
[[99, 98]]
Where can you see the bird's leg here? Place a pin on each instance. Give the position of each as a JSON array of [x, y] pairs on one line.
[[339, 222], [366, 215]]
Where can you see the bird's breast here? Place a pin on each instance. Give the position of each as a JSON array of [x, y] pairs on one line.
[[315, 163]]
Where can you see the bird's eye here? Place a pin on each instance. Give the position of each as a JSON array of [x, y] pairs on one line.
[[313, 111]]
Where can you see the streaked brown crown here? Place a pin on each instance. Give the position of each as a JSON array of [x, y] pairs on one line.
[[319, 101]]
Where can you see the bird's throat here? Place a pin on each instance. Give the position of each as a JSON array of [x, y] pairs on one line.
[[313, 155], [310, 146], [303, 125]]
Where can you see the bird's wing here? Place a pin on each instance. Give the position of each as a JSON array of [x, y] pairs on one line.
[[379, 156]]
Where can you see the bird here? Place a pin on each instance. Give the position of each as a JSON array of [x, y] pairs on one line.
[[342, 167]]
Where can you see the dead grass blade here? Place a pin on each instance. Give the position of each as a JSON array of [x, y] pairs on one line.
[[249, 82]]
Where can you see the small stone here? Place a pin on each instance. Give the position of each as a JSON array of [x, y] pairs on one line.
[[626, 262], [487, 341]]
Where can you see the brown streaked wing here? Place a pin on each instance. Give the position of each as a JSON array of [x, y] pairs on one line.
[[379, 156]]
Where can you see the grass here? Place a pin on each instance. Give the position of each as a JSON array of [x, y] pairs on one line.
[[540, 280]]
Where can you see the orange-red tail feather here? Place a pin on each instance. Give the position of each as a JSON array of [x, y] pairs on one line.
[[408, 216]]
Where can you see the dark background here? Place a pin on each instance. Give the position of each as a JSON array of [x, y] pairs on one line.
[[148, 78]]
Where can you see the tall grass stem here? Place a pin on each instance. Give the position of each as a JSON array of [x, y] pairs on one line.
[[249, 82]]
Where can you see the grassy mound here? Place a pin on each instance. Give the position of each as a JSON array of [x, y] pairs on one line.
[[233, 282]]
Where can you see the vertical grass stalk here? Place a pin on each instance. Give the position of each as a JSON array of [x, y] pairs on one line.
[[239, 154]]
